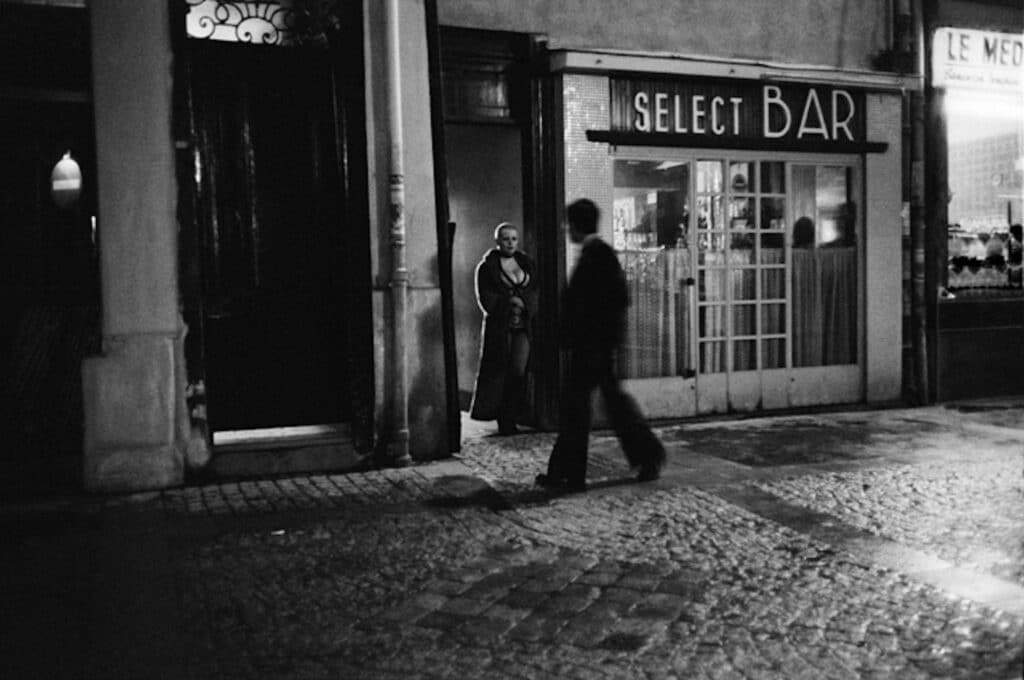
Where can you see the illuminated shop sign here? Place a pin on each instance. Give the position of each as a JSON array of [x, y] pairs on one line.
[[715, 112], [978, 59]]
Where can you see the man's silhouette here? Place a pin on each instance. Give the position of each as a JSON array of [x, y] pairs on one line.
[[593, 327]]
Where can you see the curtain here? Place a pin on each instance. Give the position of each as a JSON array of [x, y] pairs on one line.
[[824, 310], [824, 306], [658, 319], [839, 295]]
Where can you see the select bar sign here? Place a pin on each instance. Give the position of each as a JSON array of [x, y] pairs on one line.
[[731, 111]]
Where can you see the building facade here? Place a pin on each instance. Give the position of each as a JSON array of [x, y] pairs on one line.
[[292, 196]]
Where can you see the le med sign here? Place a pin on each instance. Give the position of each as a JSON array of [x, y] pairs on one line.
[[978, 59]]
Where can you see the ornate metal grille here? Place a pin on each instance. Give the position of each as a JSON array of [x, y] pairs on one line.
[[280, 22]]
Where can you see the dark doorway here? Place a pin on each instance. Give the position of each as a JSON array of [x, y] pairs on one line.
[[49, 287], [500, 154], [272, 234], [487, 122]]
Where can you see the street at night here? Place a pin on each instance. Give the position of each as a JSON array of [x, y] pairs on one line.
[[863, 544]]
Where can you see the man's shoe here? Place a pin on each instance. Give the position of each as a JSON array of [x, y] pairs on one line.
[[650, 471], [559, 484]]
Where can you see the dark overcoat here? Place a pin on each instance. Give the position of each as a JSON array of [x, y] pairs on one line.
[[494, 298], [595, 300]]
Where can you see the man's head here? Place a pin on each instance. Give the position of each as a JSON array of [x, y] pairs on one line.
[[582, 216]]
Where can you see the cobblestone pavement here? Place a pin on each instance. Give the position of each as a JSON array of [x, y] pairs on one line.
[[970, 514], [463, 568]]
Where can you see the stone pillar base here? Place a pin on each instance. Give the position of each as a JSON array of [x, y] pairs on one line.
[[134, 415]]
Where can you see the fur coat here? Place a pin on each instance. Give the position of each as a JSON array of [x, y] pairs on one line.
[[494, 298]]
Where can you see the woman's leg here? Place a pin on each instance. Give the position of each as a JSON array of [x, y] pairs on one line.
[[512, 398]]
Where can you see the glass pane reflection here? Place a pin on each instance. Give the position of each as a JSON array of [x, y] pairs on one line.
[[744, 319], [773, 284], [741, 177], [773, 319], [773, 177], [744, 284], [712, 322], [744, 355], [712, 357], [773, 353], [651, 216], [711, 285], [709, 213], [709, 176]]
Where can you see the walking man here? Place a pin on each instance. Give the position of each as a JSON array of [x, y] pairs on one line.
[[593, 327]]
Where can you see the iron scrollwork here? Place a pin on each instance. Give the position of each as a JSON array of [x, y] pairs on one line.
[[279, 22]]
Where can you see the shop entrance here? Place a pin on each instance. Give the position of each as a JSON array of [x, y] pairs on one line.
[[743, 274], [489, 156]]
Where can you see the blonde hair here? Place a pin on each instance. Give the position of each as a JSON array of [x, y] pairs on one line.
[[504, 225]]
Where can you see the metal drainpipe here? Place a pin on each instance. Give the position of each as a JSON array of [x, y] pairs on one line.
[[911, 39], [398, 445]]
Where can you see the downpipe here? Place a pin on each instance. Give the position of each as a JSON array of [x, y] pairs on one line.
[[909, 40], [398, 443]]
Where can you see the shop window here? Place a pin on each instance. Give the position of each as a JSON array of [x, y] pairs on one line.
[[767, 292], [650, 219], [985, 163]]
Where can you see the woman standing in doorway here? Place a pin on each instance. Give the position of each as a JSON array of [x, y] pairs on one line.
[[506, 293]]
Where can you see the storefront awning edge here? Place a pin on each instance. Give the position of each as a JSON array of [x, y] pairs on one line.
[[597, 61]]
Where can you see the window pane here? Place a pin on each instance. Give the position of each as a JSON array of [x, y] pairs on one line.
[[773, 214], [711, 248], [824, 266], [836, 212], [773, 177], [985, 145], [744, 355], [709, 213], [744, 319], [773, 284], [711, 285], [650, 217], [773, 319], [773, 353], [773, 248], [712, 322], [712, 357], [709, 177], [741, 241], [741, 214], [651, 204], [744, 284], [741, 177]]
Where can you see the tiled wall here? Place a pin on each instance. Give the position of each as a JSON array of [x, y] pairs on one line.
[[588, 165]]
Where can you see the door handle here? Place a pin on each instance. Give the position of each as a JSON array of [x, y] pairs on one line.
[[689, 281]]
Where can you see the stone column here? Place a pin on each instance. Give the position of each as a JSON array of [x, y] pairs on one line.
[[135, 419]]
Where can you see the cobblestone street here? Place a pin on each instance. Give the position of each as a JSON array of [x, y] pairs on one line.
[[881, 544]]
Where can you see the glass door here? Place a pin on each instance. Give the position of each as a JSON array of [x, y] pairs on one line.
[[827, 297], [741, 285], [651, 233]]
